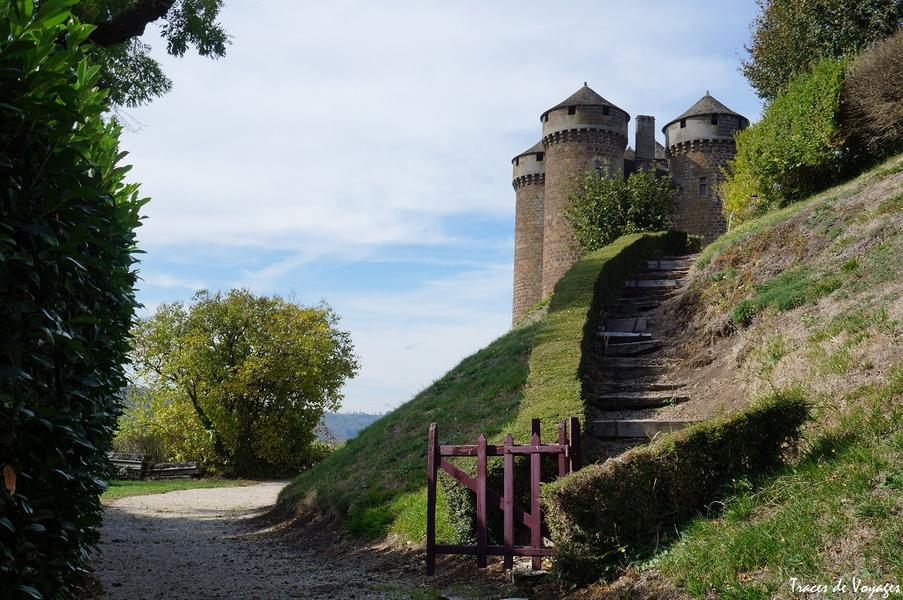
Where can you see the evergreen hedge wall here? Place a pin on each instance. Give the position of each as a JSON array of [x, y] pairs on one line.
[[67, 222]]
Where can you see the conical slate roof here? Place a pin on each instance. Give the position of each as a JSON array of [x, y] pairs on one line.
[[707, 105], [534, 149], [585, 96]]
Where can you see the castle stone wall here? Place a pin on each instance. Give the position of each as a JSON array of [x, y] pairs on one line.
[[697, 213], [528, 234], [569, 154]]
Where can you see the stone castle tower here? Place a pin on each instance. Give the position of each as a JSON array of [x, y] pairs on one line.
[[587, 132], [700, 142], [529, 188], [582, 133]]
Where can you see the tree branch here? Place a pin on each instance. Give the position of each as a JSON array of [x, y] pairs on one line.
[[130, 23]]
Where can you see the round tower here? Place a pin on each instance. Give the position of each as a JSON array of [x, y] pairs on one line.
[[700, 142], [582, 133], [528, 179]]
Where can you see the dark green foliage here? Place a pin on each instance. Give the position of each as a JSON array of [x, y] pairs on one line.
[[128, 71], [604, 208], [67, 222], [789, 36], [797, 148], [872, 113], [624, 508], [787, 291]]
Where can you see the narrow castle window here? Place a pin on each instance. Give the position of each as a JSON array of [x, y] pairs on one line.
[[605, 110], [572, 110], [714, 119], [703, 186], [516, 160], [540, 156], [683, 123]]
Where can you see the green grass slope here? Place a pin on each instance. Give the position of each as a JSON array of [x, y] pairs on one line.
[[807, 298], [377, 480]]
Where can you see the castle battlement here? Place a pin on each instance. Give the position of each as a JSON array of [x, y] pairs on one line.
[[699, 146], [532, 179]]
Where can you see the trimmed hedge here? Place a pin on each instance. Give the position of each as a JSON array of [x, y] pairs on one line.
[[628, 505], [561, 358], [67, 243]]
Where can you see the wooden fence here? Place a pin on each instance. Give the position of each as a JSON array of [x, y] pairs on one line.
[[138, 466], [567, 452]]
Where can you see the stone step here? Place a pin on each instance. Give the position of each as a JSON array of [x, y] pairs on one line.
[[649, 293], [632, 348], [622, 337], [633, 303], [639, 428], [654, 283], [668, 263], [634, 362], [657, 274], [634, 324], [639, 371], [636, 400], [644, 386]]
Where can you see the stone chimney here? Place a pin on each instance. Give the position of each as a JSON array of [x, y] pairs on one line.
[[645, 141]]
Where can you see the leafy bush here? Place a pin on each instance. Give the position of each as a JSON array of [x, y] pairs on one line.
[[605, 208], [790, 36], [795, 150], [67, 222], [872, 113], [625, 507], [240, 382]]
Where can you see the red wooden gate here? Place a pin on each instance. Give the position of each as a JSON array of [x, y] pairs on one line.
[[567, 449]]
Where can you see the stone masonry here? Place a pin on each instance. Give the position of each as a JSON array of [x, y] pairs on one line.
[[696, 170], [528, 223]]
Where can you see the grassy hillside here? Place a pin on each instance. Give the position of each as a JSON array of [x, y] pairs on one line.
[[807, 298], [377, 479]]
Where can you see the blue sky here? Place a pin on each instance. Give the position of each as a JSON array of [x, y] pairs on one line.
[[359, 153]]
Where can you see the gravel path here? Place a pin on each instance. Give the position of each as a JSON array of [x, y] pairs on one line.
[[203, 543]]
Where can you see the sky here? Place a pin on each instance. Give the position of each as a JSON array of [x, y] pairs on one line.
[[359, 153]]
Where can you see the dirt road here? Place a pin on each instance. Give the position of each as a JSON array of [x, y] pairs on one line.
[[206, 543]]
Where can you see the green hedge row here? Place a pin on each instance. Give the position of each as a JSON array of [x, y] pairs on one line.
[[67, 237], [627, 506], [561, 360], [842, 115], [795, 150]]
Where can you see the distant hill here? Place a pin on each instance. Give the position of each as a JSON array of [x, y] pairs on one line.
[[344, 426]]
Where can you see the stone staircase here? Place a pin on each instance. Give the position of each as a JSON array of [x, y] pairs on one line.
[[633, 379]]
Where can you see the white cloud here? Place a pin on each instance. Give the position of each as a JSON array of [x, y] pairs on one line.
[[165, 280], [406, 340]]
